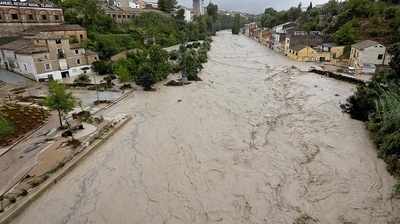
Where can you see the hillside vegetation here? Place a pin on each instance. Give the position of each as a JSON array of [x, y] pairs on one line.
[[344, 22]]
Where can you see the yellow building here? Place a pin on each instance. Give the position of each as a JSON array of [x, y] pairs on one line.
[[306, 53], [301, 53]]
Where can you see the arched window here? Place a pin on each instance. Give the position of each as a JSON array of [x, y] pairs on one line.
[[29, 15], [14, 14], [44, 16]]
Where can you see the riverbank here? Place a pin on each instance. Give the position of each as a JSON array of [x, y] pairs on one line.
[[256, 141]]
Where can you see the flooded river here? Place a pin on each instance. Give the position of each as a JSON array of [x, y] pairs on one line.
[[258, 141]]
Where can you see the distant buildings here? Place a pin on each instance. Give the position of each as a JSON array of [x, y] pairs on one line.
[[16, 16], [311, 46], [279, 34], [198, 8], [123, 10]]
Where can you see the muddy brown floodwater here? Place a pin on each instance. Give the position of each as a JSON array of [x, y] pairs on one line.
[[258, 141]]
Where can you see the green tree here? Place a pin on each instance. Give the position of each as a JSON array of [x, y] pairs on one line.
[[121, 70], [190, 64], [146, 76], [395, 60], [6, 127], [212, 11], [346, 35], [59, 99], [102, 67], [167, 5], [236, 25]]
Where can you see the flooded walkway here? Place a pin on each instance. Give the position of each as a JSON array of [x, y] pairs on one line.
[[258, 141]]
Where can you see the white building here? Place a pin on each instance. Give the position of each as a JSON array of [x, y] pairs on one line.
[[44, 58], [368, 52], [188, 15], [278, 35]]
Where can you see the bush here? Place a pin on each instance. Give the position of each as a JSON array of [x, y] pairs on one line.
[[6, 127], [173, 55], [102, 67], [82, 78], [146, 77]]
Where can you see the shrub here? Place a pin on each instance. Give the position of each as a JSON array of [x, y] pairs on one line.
[[6, 127], [82, 78], [102, 67]]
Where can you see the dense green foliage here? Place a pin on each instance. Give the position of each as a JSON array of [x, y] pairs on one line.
[[378, 103], [59, 99], [103, 67], [236, 25], [167, 5], [145, 67], [6, 127], [82, 78], [345, 21]]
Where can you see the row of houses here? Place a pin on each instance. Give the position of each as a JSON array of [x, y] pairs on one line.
[[312, 46]]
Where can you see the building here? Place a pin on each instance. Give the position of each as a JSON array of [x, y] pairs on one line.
[[48, 55], [75, 33], [198, 8], [249, 29], [266, 38], [151, 5], [279, 35], [367, 53], [17, 16]]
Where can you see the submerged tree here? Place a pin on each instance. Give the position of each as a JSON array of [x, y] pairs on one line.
[[236, 25], [191, 65], [59, 99]]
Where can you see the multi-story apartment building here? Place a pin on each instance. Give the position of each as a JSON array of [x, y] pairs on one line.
[[48, 55], [17, 16]]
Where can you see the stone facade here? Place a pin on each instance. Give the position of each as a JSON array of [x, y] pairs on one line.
[[48, 55], [16, 17]]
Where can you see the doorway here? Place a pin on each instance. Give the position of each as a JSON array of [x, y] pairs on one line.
[[65, 74]]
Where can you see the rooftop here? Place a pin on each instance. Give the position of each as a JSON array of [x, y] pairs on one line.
[[365, 44], [28, 3], [17, 44], [54, 28]]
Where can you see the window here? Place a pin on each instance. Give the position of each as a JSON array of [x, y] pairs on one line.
[[47, 67], [380, 56], [76, 51], [30, 17], [44, 17], [14, 16], [81, 36], [25, 67], [78, 61], [46, 57], [58, 41], [1, 17], [56, 17]]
